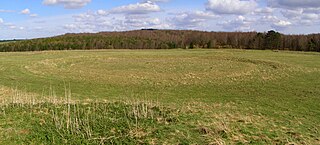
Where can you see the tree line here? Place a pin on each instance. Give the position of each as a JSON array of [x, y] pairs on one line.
[[169, 39], [13, 40]]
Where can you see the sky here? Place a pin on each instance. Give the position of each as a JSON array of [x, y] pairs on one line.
[[26, 19]]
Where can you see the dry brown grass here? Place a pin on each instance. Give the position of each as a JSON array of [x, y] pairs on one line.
[[161, 70]]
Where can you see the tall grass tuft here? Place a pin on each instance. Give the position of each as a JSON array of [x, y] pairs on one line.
[[57, 120]]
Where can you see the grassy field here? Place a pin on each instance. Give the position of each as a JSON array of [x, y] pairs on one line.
[[160, 97], [4, 42]]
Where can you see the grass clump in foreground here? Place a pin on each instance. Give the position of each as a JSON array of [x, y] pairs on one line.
[[99, 123]]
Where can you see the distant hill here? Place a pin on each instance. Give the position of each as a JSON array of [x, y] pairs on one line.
[[13, 40], [169, 39]]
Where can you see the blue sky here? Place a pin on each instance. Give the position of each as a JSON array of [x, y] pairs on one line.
[[45, 18]]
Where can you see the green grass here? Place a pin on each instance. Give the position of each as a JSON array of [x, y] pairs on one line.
[[209, 96]]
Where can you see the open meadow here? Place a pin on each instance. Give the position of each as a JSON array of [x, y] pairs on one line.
[[200, 96]]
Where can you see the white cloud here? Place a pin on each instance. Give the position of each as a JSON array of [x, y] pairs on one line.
[[104, 21], [265, 10], [295, 3], [268, 19], [134, 22], [191, 20], [33, 15], [39, 21], [102, 12], [292, 14], [38, 28], [138, 22], [281, 24], [92, 22], [13, 26], [241, 23], [274, 22], [310, 16], [237, 7], [138, 8], [28, 12], [155, 1], [312, 10], [297, 12], [6, 11], [86, 17], [25, 12], [70, 26], [1, 21], [301, 16], [68, 4]]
